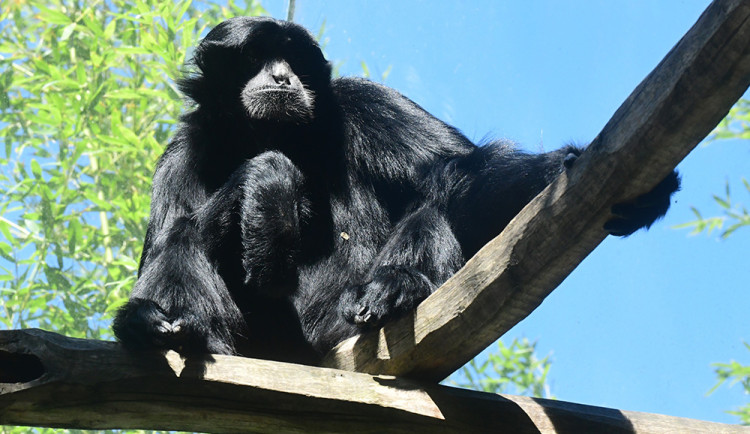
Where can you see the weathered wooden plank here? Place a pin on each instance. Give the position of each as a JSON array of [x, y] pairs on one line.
[[50, 380], [672, 110]]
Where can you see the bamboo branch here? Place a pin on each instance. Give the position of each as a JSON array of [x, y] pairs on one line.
[[54, 381], [672, 110]]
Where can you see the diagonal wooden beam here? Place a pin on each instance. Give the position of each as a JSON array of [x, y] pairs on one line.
[[54, 381], [670, 112]]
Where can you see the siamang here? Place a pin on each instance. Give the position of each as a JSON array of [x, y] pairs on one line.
[[291, 211]]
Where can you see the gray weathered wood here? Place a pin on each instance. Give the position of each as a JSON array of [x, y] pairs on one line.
[[672, 110], [50, 380]]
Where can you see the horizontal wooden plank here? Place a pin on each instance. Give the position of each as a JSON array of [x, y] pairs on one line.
[[50, 380]]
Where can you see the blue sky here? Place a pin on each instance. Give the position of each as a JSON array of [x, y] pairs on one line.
[[639, 322]]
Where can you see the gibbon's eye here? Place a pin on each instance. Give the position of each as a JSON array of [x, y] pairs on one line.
[[250, 58]]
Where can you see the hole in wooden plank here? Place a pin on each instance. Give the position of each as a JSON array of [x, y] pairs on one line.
[[19, 368]]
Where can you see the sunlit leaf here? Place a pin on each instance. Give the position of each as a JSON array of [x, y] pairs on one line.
[[67, 31], [53, 16], [36, 169]]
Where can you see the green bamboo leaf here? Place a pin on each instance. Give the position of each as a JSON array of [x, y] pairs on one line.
[[9, 142], [36, 169], [722, 203], [101, 204], [133, 51], [75, 236], [53, 16], [6, 252], [94, 99], [731, 230], [696, 212], [5, 226], [365, 69], [67, 31], [109, 29], [121, 94], [112, 140], [93, 25], [143, 8], [386, 73]]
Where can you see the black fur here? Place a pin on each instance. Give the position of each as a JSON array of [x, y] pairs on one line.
[[292, 211]]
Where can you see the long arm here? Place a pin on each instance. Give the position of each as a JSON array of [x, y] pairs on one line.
[[179, 301], [209, 250], [493, 184], [176, 193]]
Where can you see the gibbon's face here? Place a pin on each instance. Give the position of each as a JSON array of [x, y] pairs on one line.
[[271, 69]]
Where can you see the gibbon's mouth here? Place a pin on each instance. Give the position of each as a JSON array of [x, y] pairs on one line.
[[272, 89], [278, 104]]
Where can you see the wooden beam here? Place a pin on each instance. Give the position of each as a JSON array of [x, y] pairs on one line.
[[673, 109], [54, 381]]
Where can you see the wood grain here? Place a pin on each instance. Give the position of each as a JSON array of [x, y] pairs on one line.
[[54, 381]]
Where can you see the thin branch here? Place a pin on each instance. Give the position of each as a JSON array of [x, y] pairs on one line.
[[290, 10]]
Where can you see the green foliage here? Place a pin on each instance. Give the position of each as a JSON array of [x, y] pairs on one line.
[[735, 372], [734, 215], [736, 125], [509, 369], [87, 103], [367, 74]]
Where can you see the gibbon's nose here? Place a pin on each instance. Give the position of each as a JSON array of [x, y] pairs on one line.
[[281, 73]]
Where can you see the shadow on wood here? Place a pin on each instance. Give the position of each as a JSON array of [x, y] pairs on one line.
[[56, 381]]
